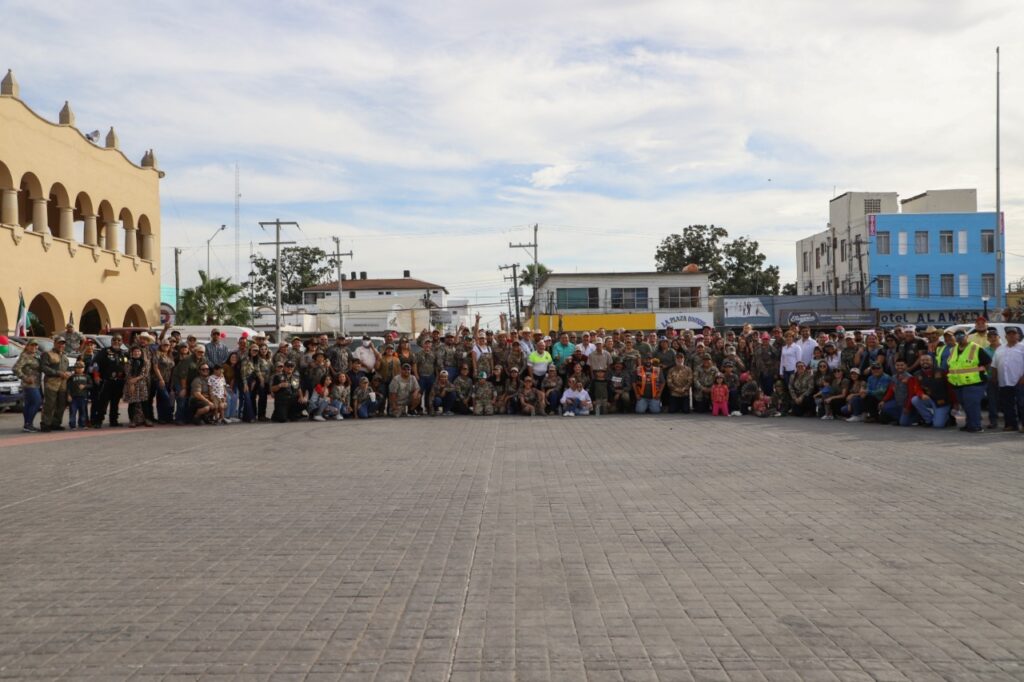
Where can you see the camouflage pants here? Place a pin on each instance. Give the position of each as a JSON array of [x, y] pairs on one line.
[[483, 409], [54, 402]]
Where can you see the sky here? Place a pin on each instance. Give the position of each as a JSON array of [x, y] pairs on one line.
[[430, 135]]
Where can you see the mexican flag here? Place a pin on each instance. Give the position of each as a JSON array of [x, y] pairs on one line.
[[21, 324]]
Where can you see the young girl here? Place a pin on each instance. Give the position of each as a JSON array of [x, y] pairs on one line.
[[719, 397], [341, 397], [219, 394]]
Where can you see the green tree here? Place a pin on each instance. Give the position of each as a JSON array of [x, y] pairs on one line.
[[789, 289], [735, 267], [529, 277], [301, 267], [214, 301]]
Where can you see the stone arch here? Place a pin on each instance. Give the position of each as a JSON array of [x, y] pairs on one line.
[[135, 316], [6, 179], [130, 237], [58, 200], [29, 189], [84, 218], [94, 318], [104, 215], [48, 314], [145, 237]]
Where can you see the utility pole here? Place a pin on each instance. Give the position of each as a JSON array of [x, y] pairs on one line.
[[238, 226], [278, 223], [536, 274], [177, 281], [860, 271], [1000, 287], [337, 259], [515, 288], [209, 312]]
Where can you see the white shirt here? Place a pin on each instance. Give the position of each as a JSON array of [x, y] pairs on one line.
[[365, 356], [1009, 364], [571, 395], [806, 347], [587, 349], [791, 354]]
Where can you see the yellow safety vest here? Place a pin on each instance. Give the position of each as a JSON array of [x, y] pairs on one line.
[[963, 366]]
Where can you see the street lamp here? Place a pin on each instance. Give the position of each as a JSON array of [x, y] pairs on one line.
[[219, 230], [984, 302]]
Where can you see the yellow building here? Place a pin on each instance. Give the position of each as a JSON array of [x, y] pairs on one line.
[[79, 224]]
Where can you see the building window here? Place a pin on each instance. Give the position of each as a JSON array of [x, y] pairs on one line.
[[946, 241], [629, 298], [884, 286], [679, 297], [921, 242], [817, 259], [807, 260], [577, 298], [988, 285], [882, 245], [922, 283], [842, 250], [946, 285], [351, 294], [988, 241], [872, 206]]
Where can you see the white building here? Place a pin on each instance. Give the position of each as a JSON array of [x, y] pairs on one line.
[[374, 306], [634, 300]]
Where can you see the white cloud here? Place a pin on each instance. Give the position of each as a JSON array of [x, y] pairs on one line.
[[552, 176]]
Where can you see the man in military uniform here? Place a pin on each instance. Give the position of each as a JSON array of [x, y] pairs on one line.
[[483, 396], [338, 355], [703, 378], [54, 366], [463, 385], [404, 392], [112, 365], [678, 380], [665, 355], [620, 388], [630, 357], [428, 364], [27, 369], [531, 400], [72, 339]]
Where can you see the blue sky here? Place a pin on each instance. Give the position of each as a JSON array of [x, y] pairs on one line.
[[428, 135]]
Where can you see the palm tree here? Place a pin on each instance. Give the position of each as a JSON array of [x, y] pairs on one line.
[[529, 276], [215, 301]]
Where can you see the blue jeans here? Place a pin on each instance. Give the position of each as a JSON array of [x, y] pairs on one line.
[[164, 404], [232, 409], [1012, 402], [341, 408], [890, 410], [182, 414], [930, 413], [553, 401], [446, 403], [78, 412], [577, 408], [854, 407], [426, 383], [652, 405], [32, 398], [992, 395], [367, 409], [970, 399]]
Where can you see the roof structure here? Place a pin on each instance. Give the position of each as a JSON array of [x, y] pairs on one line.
[[401, 283]]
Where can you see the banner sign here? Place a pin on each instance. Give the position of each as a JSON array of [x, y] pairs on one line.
[[684, 320], [829, 318], [929, 317]]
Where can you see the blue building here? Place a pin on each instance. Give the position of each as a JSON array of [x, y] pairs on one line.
[[929, 259], [931, 268]]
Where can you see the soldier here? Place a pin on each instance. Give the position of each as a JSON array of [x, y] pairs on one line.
[[463, 386], [338, 355], [448, 356], [404, 392], [112, 364], [428, 364], [54, 366], [199, 396], [678, 380], [665, 355], [552, 388], [801, 391], [27, 369], [483, 396], [531, 400], [72, 339], [703, 379], [630, 357], [619, 388]]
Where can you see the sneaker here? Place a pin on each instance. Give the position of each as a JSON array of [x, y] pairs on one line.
[[827, 418], [568, 414], [319, 418], [448, 414], [28, 428], [735, 413], [855, 418], [969, 430]]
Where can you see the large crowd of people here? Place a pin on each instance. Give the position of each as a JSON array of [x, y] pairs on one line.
[[890, 377]]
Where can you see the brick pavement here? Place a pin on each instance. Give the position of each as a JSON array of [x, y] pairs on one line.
[[514, 549]]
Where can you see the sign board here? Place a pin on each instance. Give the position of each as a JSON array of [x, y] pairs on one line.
[[167, 313], [684, 320], [828, 318], [745, 308], [872, 226], [928, 317]]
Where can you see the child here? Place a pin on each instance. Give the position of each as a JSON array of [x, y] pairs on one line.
[[719, 397], [762, 406], [781, 401], [78, 396], [219, 394]]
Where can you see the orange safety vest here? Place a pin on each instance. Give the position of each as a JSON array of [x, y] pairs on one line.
[[641, 383]]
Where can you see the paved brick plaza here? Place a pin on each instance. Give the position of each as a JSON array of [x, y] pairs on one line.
[[513, 549]]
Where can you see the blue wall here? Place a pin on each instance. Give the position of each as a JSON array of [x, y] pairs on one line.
[[973, 263]]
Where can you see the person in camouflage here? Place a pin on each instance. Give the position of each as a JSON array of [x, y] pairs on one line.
[[678, 380], [28, 370], [463, 385], [483, 396], [801, 391], [441, 399], [428, 364], [404, 393], [703, 379], [531, 400]]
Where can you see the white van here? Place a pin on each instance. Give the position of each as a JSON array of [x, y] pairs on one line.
[[998, 326], [229, 333]]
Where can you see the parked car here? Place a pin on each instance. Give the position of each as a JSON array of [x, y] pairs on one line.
[[10, 390], [13, 351], [45, 342], [998, 326]]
